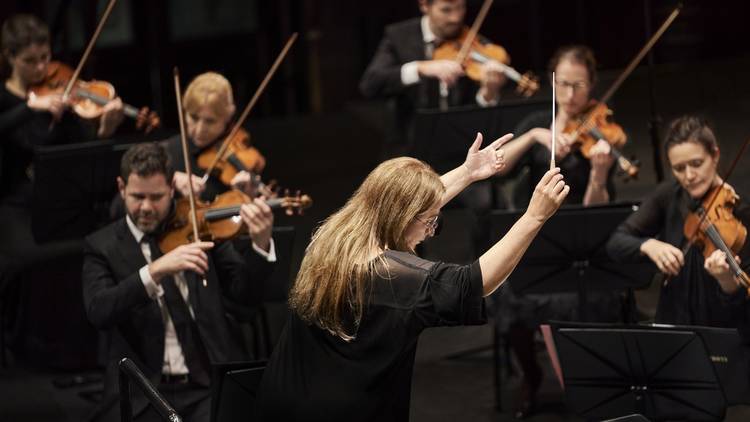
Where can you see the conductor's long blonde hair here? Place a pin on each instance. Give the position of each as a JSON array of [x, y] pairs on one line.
[[339, 262]]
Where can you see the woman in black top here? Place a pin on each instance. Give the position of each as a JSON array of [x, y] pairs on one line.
[[518, 315], [208, 105], [698, 291], [26, 119], [26, 122], [362, 297]]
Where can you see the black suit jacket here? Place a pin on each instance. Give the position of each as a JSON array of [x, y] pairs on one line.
[[117, 303], [403, 43]]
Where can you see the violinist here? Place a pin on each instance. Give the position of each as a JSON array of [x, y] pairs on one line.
[[403, 70], [699, 290], [518, 316], [209, 106], [28, 120], [26, 117], [589, 179], [152, 304]]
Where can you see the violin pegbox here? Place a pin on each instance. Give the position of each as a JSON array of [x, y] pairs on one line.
[[295, 204]]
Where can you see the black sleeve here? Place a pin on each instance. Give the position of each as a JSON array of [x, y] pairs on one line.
[[647, 222], [14, 116], [242, 275], [452, 295], [107, 300], [383, 76]]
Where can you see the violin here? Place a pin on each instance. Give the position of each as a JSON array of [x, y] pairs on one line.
[[596, 123], [88, 98], [712, 225], [480, 53], [219, 220], [239, 156]]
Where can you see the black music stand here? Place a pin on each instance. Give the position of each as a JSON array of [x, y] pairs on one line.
[[568, 254], [73, 187], [661, 372], [441, 138], [234, 388]]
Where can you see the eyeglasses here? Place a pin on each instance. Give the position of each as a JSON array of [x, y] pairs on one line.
[[575, 86], [432, 224]]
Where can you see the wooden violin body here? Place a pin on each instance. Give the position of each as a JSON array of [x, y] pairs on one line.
[[87, 99], [219, 220], [596, 123], [479, 53], [713, 226], [239, 156]]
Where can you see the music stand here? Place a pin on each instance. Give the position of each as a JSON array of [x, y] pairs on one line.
[[568, 254], [661, 372], [234, 388], [73, 187], [441, 138]]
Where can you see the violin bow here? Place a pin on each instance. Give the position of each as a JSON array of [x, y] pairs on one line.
[[554, 131], [183, 139], [238, 124], [89, 47], [631, 66], [473, 31]]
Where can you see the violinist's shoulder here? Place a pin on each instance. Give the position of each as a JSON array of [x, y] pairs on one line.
[[110, 234], [402, 29]]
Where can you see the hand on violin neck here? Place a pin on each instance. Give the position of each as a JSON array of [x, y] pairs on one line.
[[112, 117], [51, 103], [447, 71], [189, 257], [492, 81], [180, 181], [601, 162], [666, 257], [718, 267], [258, 217], [243, 182]]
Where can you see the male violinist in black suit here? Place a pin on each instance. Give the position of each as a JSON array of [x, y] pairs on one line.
[[403, 70], [154, 307]]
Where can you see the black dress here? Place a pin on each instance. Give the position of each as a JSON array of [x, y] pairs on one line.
[[316, 376], [21, 131], [693, 297]]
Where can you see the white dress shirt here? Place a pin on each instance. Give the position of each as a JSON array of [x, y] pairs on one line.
[[174, 359]]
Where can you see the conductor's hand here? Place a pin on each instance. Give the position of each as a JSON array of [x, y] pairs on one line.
[[668, 258], [258, 217], [190, 257], [447, 71], [716, 264], [483, 163], [112, 115], [181, 184], [548, 194]]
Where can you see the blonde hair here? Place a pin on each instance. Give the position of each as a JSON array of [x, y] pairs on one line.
[[330, 287], [209, 89]]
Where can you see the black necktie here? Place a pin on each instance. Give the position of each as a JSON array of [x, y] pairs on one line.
[[196, 357]]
